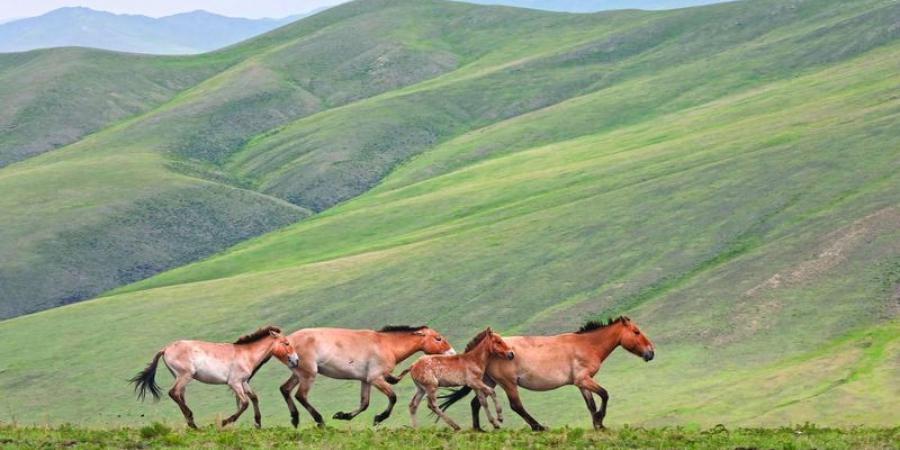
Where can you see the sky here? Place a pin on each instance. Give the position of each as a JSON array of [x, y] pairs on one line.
[[16, 9]]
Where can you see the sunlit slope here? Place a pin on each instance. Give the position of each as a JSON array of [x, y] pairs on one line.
[[104, 211], [754, 237], [320, 111], [639, 65], [51, 98]]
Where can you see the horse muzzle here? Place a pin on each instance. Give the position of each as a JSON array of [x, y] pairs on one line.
[[293, 361], [648, 355], [510, 355], [450, 352]]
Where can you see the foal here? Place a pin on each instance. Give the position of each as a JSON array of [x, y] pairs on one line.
[[432, 371], [214, 363]]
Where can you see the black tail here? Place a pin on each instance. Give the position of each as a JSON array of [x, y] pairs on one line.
[[394, 380], [453, 397], [146, 379]]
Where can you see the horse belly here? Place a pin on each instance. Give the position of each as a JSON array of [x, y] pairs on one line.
[[344, 370], [210, 370], [545, 381]]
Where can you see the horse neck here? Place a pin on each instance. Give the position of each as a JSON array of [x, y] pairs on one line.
[[603, 341], [480, 353], [402, 345], [257, 351]]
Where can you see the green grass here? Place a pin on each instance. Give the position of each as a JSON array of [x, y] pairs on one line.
[[725, 175], [161, 436]]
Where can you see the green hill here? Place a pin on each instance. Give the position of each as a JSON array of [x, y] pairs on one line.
[[727, 175]]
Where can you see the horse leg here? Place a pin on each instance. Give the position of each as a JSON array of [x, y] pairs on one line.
[[497, 406], [286, 389], [515, 402], [481, 393], [244, 402], [584, 385], [177, 395], [257, 416], [382, 385], [595, 388], [432, 405], [414, 403], [476, 405], [306, 382], [364, 391]]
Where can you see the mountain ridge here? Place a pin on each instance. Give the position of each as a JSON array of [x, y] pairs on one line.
[[183, 33]]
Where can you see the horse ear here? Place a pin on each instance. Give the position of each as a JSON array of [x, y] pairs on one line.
[[273, 333], [419, 333]]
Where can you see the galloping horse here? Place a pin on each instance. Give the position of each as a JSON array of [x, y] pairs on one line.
[[214, 363], [544, 363], [433, 371], [365, 355]]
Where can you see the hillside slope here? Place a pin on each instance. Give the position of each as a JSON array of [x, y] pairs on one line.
[[109, 183], [728, 177]]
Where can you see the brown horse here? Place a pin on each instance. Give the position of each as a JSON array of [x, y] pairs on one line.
[[214, 363], [365, 355], [433, 371], [544, 363]]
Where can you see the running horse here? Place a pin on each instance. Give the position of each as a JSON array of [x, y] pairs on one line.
[[433, 371], [217, 363], [365, 355], [544, 363]]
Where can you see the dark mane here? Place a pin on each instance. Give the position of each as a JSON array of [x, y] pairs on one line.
[[400, 328], [592, 325], [477, 339], [257, 335]]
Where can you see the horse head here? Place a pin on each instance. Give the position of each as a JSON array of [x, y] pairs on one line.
[[498, 346], [631, 338], [433, 343], [283, 350]]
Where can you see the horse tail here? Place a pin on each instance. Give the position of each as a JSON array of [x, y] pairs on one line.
[[453, 397], [145, 380], [394, 380]]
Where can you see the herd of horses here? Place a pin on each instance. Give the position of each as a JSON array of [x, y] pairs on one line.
[[537, 363]]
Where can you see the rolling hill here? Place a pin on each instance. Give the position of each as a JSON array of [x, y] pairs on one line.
[[582, 6], [185, 33], [727, 175]]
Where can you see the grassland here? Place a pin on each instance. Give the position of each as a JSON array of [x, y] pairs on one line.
[[160, 436], [728, 176]]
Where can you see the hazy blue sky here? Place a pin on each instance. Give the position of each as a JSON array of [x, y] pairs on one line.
[[10, 9]]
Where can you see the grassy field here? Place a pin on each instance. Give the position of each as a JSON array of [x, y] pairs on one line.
[[727, 175], [161, 436]]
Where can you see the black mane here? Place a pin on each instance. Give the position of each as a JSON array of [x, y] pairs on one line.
[[477, 339], [400, 328], [592, 325], [257, 335]]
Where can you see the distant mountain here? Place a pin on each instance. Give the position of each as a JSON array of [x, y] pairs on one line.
[[595, 5], [192, 32]]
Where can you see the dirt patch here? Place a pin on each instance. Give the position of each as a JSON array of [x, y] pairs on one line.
[[760, 303], [837, 245]]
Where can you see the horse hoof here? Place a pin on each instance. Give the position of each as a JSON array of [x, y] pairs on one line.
[[342, 416], [295, 421], [538, 427]]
